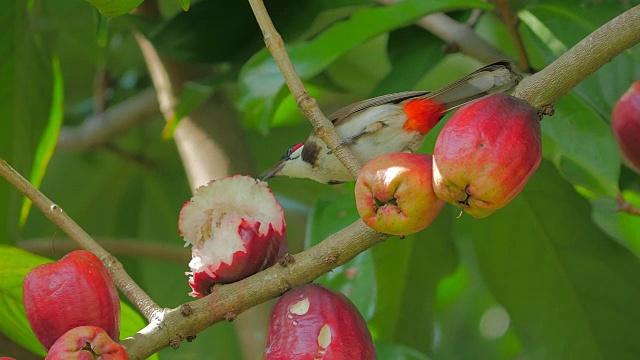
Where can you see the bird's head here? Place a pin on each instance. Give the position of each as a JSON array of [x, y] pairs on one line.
[[288, 164]]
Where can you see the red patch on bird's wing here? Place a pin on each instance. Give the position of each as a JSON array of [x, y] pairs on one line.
[[422, 114]]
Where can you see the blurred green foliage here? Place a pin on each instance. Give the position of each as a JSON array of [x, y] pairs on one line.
[[554, 275]]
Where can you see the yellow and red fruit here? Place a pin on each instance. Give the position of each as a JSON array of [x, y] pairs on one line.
[[86, 343], [486, 153], [394, 193]]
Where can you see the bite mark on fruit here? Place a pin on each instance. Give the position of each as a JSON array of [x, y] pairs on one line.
[[324, 340], [300, 308]]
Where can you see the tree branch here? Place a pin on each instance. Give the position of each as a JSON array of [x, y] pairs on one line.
[[227, 301], [462, 35], [625, 207], [511, 22], [55, 213], [590, 54], [307, 104], [117, 247], [100, 128]]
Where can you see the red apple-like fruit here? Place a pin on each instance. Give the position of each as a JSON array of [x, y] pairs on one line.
[[486, 153], [86, 343], [626, 125], [236, 227], [313, 322], [394, 193], [74, 291]]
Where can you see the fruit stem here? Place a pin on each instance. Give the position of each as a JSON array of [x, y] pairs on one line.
[[626, 207]]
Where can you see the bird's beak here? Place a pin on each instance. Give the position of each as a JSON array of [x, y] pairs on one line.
[[273, 171]]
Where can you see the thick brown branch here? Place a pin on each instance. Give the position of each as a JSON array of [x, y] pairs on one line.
[[307, 104], [590, 54], [227, 301], [55, 213]]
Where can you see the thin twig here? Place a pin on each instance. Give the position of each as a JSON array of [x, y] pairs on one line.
[[117, 247], [55, 213], [511, 22], [626, 207], [474, 18], [462, 35], [100, 129], [579, 62], [307, 104]]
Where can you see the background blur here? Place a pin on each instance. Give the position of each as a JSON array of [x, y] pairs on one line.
[[554, 275]]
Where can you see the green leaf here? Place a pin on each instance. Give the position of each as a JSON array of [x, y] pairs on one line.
[[211, 31], [464, 310], [25, 93], [398, 352], [623, 227], [261, 80], [581, 146], [559, 25], [49, 138], [185, 4], [113, 8], [408, 272], [565, 285], [193, 94], [412, 52], [356, 279], [131, 322], [14, 266], [15, 263]]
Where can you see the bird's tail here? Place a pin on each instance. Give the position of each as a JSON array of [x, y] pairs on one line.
[[497, 77]]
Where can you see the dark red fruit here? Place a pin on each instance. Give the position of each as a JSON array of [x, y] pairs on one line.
[[313, 322], [394, 193], [73, 291], [626, 125], [486, 153], [86, 343]]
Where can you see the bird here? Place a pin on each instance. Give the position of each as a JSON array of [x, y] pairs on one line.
[[388, 123]]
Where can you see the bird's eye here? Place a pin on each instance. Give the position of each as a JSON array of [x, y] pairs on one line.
[[291, 150]]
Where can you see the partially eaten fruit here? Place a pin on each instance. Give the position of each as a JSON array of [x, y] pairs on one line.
[[314, 322], [486, 153], [74, 291], [236, 227]]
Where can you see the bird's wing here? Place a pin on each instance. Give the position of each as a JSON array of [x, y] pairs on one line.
[[496, 77], [348, 110]]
